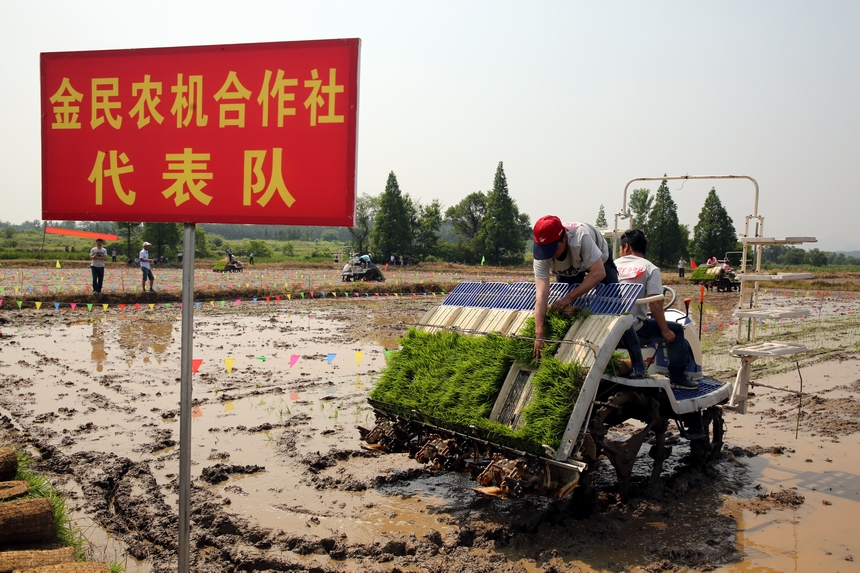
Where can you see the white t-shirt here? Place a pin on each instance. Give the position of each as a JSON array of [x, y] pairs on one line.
[[98, 262], [636, 270], [144, 254], [586, 247]]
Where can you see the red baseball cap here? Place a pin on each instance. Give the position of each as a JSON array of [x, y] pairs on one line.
[[547, 233]]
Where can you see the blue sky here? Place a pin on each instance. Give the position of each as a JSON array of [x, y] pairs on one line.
[[576, 98]]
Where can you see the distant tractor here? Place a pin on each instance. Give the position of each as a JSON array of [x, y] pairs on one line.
[[229, 265], [361, 269], [719, 276]]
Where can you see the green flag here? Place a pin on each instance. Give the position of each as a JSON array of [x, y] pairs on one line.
[[482, 260]]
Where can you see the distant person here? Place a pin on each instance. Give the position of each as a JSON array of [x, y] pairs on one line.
[[113, 256], [682, 264], [251, 258], [67, 248], [179, 257], [98, 254], [73, 248], [145, 269], [712, 261]]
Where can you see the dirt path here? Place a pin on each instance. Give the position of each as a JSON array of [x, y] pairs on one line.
[[281, 483]]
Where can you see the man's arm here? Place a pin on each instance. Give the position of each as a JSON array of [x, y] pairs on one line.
[[657, 314], [541, 298], [596, 273]]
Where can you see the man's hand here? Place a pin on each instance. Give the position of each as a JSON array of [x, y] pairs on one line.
[[667, 335], [559, 305], [538, 351]]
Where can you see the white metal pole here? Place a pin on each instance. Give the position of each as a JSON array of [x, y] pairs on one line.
[[185, 396]]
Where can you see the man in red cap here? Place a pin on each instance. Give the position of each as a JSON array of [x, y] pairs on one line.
[[575, 253]]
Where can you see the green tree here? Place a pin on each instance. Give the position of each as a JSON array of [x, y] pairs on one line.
[[129, 230], [685, 240], [773, 253], [793, 256], [503, 231], [714, 234], [260, 249], [816, 258], [640, 204], [465, 219], [426, 238], [366, 209], [392, 233], [165, 237], [201, 248], [663, 231], [601, 219], [467, 215]]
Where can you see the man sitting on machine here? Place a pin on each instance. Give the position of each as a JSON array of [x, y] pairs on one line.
[[634, 268]]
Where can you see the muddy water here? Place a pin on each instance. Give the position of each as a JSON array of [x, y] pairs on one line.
[[822, 464], [295, 394]]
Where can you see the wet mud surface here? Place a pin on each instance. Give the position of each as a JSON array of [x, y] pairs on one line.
[[280, 482]]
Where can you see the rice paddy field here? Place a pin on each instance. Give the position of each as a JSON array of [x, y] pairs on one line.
[[281, 482]]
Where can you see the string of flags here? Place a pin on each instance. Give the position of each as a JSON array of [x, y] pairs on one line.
[[237, 302], [80, 279], [230, 361]]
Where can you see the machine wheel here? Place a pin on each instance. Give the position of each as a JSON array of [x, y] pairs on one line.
[[707, 448], [622, 454], [372, 275]]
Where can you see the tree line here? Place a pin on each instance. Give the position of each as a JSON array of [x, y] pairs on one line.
[[484, 227], [669, 240], [713, 235]]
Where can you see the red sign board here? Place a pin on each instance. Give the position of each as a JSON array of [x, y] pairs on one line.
[[247, 133]]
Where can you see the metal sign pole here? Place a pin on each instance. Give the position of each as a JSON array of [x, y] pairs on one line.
[[185, 396]]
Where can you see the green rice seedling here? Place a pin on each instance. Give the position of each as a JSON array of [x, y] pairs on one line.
[[446, 375], [40, 487], [556, 326], [457, 378], [557, 387]]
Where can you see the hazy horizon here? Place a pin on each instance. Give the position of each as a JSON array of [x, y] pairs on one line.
[[574, 98]]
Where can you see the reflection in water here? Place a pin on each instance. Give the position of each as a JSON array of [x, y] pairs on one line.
[[98, 353], [145, 335]]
